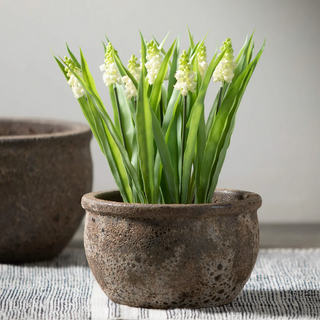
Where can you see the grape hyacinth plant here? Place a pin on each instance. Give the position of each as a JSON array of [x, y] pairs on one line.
[[159, 146]]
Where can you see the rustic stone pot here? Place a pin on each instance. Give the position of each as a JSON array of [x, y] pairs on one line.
[[45, 168], [172, 256]]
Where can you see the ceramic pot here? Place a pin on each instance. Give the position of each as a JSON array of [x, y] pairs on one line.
[[45, 168], [172, 256]]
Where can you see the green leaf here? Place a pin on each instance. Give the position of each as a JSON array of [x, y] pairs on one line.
[[225, 140], [160, 46], [194, 119], [250, 51], [163, 100], [73, 58], [171, 109], [105, 117], [172, 142], [104, 46], [172, 183], [190, 39], [243, 59], [116, 118], [156, 90], [163, 41], [196, 49], [124, 71], [201, 142], [87, 77], [173, 69], [112, 154], [193, 96], [143, 50], [219, 127], [107, 147], [119, 64], [145, 139], [62, 68], [241, 51], [126, 119], [213, 110]]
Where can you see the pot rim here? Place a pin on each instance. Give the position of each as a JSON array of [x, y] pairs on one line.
[[70, 128], [249, 202]]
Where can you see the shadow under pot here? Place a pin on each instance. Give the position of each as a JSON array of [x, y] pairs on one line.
[[172, 255], [45, 168]]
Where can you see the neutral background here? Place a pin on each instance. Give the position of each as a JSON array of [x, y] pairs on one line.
[[275, 148]]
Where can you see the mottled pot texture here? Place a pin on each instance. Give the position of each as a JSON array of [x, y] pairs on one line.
[[45, 168], [172, 256]]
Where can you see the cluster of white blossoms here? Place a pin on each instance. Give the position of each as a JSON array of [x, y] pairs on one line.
[[224, 70], [185, 76], [73, 82], [202, 60], [135, 69], [111, 74], [154, 60]]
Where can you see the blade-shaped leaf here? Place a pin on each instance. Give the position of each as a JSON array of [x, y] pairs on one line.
[[62, 68], [196, 49], [194, 120], [105, 117], [124, 71], [201, 142], [243, 59], [145, 139], [217, 129], [156, 90], [165, 159], [126, 119], [74, 59], [159, 44], [116, 119], [190, 39], [163, 41], [173, 69], [143, 49], [112, 154]]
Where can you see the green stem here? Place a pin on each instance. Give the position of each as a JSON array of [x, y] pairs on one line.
[[219, 101], [184, 123], [119, 113]]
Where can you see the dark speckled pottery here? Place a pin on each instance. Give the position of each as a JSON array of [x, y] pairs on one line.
[[172, 256], [45, 168]]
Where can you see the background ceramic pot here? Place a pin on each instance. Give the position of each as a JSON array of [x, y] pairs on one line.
[[170, 256], [45, 168]]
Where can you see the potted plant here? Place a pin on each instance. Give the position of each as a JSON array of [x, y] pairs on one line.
[[45, 167], [168, 238]]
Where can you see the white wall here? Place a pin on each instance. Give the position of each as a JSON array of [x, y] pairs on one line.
[[275, 149]]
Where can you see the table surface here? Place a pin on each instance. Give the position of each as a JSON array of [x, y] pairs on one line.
[[285, 284]]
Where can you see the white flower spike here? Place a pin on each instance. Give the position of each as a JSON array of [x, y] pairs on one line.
[[111, 74], [135, 69], [154, 60], [73, 82], [224, 70], [202, 60], [185, 76]]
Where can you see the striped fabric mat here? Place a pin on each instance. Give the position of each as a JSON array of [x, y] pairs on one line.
[[285, 284]]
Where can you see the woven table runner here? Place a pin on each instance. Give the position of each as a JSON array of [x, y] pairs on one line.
[[285, 284]]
